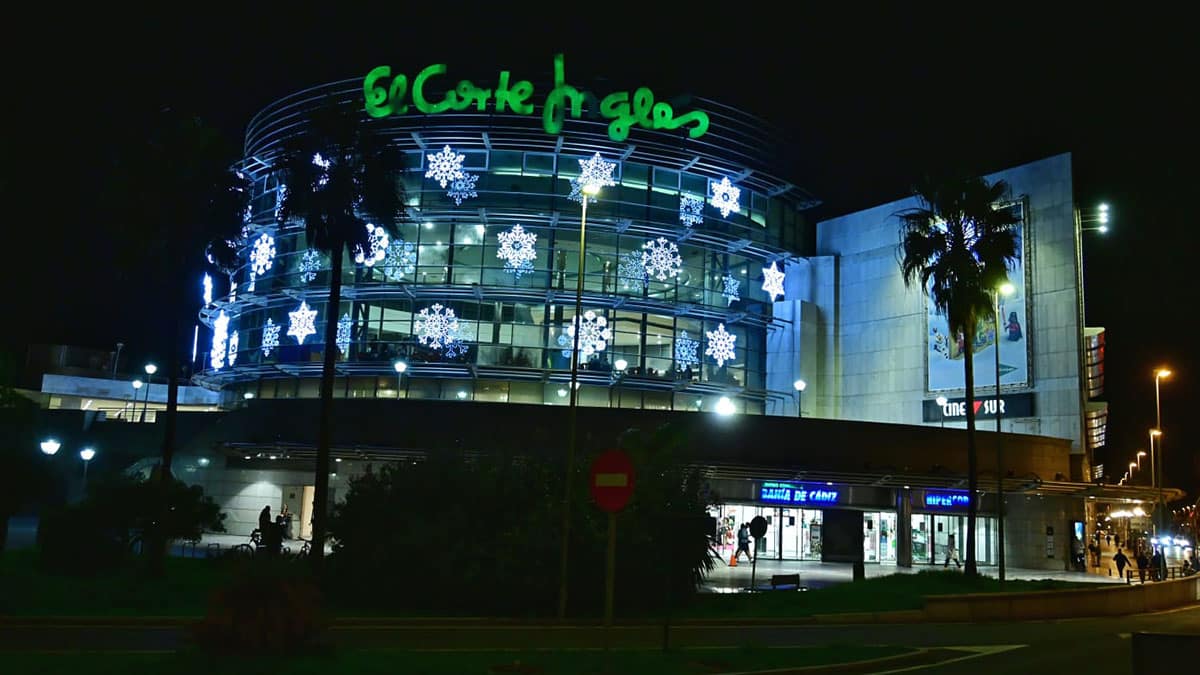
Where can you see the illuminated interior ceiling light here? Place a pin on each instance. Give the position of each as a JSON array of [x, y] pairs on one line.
[[343, 334], [517, 250], [773, 281], [444, 166], [376, 250], [462, 187], [216, 356], [309, 265], [691, 210], [661, 259], [725, 197], [436, 326], [685, 349], [729, 289], [720, 345], [263, 253], [270, 336], [301, 322], [594, 334]]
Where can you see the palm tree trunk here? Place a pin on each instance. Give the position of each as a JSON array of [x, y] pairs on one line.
[[321, 491], [154, 539], [972, 460]]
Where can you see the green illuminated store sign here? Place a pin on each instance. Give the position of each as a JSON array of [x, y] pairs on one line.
[[385, 94]]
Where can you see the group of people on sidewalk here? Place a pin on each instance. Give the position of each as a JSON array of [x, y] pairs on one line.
[[1154, 565]]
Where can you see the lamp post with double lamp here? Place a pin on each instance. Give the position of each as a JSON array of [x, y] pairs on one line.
[[941, 403], [593, 174], [86, 455], [1005, 289], [400, 367], [1159, 375], [799, 386], [151, 369]]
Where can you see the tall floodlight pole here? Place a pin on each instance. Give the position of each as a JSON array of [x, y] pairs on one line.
[[1159, 375], [1006, 289], [594, 174]]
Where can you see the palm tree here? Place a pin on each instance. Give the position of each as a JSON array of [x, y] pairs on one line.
[[959, 242], [340, 177]]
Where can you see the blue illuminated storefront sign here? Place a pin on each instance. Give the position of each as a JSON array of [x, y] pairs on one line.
[[790, 493], [945, 500]]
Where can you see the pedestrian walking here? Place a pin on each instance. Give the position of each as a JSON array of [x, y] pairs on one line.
[[1108, 540], [1142, 563], [1158, 564], [1121, 561], [951, 553], [743, 543]]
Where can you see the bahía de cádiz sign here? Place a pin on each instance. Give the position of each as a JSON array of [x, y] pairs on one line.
[[385, 94]]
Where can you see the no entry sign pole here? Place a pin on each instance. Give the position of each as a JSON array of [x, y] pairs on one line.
[[611, 485]]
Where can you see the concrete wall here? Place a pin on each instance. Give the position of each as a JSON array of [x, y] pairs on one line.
[[872, 343], [1025, 523], [1101, 601]]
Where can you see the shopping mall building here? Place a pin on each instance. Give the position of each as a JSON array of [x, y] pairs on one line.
[[707, 294]]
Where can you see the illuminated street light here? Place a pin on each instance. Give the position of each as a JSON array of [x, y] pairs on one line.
[[725, 407], [86, 455], [150, 369], [1004, 289], [400, 367], [1160, 374], [50, 446], [799, 386]]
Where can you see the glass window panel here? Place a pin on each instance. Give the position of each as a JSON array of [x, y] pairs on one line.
[[423, 388], [433, 252], [506, 162], [538, 164], [526, 392]]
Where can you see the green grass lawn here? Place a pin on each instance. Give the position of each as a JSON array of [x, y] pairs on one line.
[[369, 662]]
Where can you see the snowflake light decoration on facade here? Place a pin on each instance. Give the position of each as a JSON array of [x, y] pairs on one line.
[[233, 348], [594, 335], [691, 210], [445, 166], [437, 327], [720, 345], [251, 284], [220, 341], [661, 259], [343, 334], [729, 289], [725, 197], [631, 271], [773, 282], [595, 171], [685, 350], [377, 243], [455, 347], [401, 259], [280, 195], [517, 250], [309, 265], [301, 322], [207, 289], [263, 254], [270, 337], [462, 187]]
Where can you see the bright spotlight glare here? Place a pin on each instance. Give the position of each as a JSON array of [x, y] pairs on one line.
[[725, 407]]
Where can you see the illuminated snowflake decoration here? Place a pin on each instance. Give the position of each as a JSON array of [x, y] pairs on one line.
[[301, 322], [280, 195], [445, 166], [517, 250], [270, 337], [462, 187], [594, 335], [455, 347], [233, 348], [773, 281], [631, 270], [577, 195], [220, 341], [253, 278], [310, 264], [324, 163], [685, 349], [725, 197], [401, 259], [720, 345], [263, 254], [661, 259], [343, 334], [437, 327], [691, 210], [729, 289], [207, 289], [377, 243], [594, 171]]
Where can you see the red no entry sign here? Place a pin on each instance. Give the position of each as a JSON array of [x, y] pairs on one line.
[[611, 480]]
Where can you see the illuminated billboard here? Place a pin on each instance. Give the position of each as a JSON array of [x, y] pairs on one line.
[[944, 356]]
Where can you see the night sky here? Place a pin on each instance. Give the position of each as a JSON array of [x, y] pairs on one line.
[[867, 102]]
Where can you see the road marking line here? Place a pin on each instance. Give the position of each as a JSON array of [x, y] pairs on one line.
[[977, 651]]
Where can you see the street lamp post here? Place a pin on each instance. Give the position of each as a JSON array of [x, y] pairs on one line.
[[150, 370], [1155, 454], [594, 173], [941, 402], [400, 367], [1140, 455], [86, 455], [50, 446], [619, 367], [1006, 289], [137, 387], [1159, 375], [116, 359], [799, 386]]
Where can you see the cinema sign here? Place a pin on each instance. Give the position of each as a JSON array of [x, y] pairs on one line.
[[385, 94], [955, 409]]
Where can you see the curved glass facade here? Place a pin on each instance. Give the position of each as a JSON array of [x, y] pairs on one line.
[[511, 341]]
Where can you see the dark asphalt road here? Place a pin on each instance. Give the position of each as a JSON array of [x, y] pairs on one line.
[[1094, 646]]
